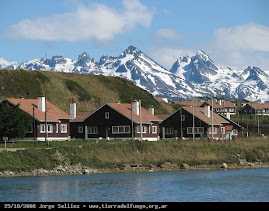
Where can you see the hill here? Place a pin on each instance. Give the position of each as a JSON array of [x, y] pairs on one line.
[[89, 91]]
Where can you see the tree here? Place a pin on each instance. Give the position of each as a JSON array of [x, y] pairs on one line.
[[13, 121]]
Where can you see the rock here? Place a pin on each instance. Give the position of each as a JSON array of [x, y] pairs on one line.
[[184, 166], [242, 162], [251, 164], [168, 165], [224, 166]]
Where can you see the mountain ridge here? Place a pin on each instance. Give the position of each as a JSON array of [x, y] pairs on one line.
[[189, 76]]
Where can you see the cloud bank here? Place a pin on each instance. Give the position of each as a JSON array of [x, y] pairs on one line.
[[92, 22]]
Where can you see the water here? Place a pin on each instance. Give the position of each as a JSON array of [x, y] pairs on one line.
[[177, 186]]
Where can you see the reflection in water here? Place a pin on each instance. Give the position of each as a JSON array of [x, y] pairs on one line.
[[231, 185]]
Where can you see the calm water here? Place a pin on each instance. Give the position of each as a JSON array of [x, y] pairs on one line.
[[231, 185]]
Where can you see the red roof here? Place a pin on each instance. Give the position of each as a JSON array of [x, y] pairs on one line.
[[125, 109], [199, 113], [54, 114], [81, 116]]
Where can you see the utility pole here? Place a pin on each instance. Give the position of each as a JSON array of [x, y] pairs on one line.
[[193, 123], [212, 127], [140, 116], [132, 130]]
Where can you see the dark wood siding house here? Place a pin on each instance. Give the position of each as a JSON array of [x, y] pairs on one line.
[[57, 121], [116, 121], [184, 121]]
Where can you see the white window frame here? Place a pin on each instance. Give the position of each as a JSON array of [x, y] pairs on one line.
[[80, 129], [144, 129], [63, 128], [92, 130], [197, 130], [215, 130], [154, 129], [183, 118], [235, 132], [106, 115], [169, 130], [123, 129], [223, 130], [57, 128], [49, 126]]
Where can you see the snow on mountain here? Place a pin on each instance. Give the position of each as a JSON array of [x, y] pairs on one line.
[[4, 63], [189, 76], [250, 83]]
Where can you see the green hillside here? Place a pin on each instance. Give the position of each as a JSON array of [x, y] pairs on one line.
[[89, 91]]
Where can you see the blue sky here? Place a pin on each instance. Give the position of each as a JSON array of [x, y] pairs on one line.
[[233, 33]]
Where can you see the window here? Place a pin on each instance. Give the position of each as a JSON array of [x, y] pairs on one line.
[[93, 130], [235, 132], [49, 128], [80, 129], [120, 129], [106, 115], [144, 129], [214, 130], [197, 130], [182, 117], [154, 129], [222, 130], [169, 130], [63, 128]]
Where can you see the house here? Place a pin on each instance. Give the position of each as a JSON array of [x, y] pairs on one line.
[[197, 122], [222, 107], [256, 108], [57, 121], [117, 121]]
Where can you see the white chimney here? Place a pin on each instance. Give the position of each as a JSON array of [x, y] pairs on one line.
[[220, 101], [73, 110], [41, 103], [135, 107], [228, 115], [207, 110], [151, 109]]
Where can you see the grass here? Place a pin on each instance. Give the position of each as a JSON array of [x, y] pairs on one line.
[[110, 154], [250, 124], [89, 91]]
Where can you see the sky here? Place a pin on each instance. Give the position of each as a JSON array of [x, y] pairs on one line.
[[234, 33]]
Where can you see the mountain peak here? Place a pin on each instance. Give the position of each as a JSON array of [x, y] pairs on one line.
[[131, 50]]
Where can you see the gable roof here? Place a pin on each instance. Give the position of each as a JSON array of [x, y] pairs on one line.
[[259, 105], [81, 116], [224, 104], [125, 110], [199, 113], [54, 114]]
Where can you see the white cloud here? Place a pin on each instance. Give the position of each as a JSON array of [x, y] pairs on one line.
[[249, 37], [96, 21], [166, 33]]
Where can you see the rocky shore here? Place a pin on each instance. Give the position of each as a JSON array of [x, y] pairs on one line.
[[78, 169]]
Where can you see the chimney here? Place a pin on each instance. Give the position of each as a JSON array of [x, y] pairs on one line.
[[41, 103], [73, 110], [220, 102], [207, 110], [228, 115], [135, 107], [151, 109]]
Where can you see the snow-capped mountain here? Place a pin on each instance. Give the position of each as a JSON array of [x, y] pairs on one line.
[[203, 73], [132, 64], [189, 76]]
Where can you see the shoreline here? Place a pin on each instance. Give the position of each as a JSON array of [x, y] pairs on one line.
[[83, 170]]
